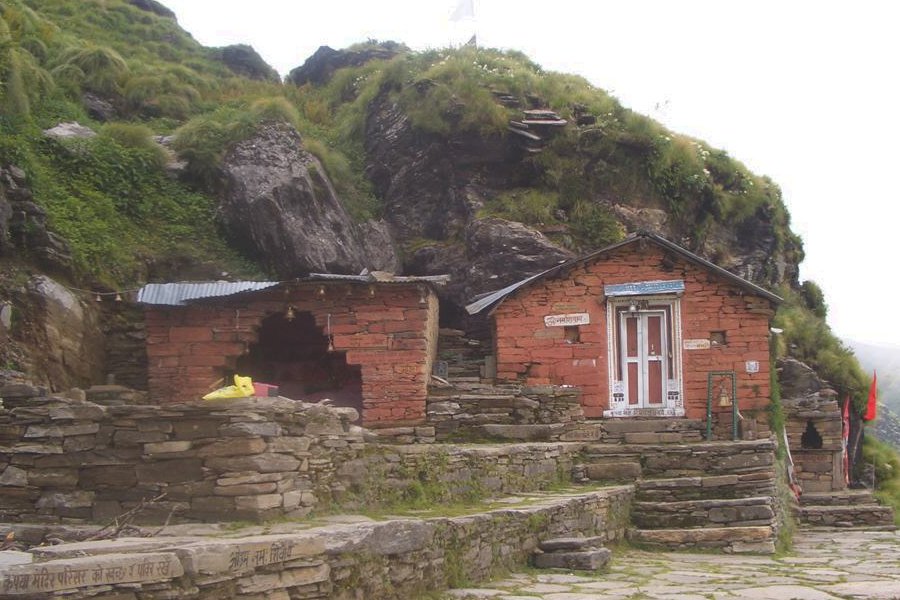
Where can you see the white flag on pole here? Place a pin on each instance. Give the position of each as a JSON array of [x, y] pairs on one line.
[[464, 11]]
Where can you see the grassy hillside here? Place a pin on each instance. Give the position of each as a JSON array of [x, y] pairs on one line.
[[113, 200], [155, 75]]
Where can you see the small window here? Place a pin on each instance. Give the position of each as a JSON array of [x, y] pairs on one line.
[[572, 334], [716, 338]]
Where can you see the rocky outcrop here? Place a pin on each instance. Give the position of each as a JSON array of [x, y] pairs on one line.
[[71, 130], [752, 250], [319, 67], [797, 379], [98, 108], [65, 332], [432, 188], [23, 225], [495, 253], [154, 7], [245, 61], [280, 205]]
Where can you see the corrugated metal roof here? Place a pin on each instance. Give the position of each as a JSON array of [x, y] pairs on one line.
[[497, 297], [180, 294], [177, 294], [641, 288], [378, 277], [490, 298]]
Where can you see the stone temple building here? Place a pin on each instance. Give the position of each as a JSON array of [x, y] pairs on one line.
[[644, 328]]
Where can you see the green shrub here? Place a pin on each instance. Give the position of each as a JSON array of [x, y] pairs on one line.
[[137, 137], [160, 94], [528, 206], [276, 108], [886, 463], [595, 225], [807, 337], [814, 298], [354, 190], [103, 67]]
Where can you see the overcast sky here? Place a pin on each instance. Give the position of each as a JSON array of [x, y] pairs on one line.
[[805, 92]]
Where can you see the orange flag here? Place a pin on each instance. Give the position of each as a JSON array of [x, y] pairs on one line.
[[873, 397]]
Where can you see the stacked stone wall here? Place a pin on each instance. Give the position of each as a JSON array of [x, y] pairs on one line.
[[256, 458], [389, 560], [463, 408], [530, 352], [389, 330]]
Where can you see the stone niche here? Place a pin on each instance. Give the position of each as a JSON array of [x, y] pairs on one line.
[[813, 425]]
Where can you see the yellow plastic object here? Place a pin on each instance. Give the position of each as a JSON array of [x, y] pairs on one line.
[[243, 387]]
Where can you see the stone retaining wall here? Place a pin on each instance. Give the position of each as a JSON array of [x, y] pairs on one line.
[[695, 459], [386, 560], [255, 458], [468, 409]]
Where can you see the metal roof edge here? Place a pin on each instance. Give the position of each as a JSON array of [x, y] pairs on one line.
[[186, 292]]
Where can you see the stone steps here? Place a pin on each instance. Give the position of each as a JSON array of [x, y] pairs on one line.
[[735, 512], [652, 431], [844, 509], [837, 497], [573, 553], [754, 539], [696, 495], [741, 485], [851, 515], [695, 459]]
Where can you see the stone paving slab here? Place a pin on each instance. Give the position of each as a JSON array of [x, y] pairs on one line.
[[824, 565]]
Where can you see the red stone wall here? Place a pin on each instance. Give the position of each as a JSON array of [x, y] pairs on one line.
[[528, 351], [386, 329]]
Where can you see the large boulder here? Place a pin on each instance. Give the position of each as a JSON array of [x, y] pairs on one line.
[[797, 379], [280, 205], [319, 67], [63, 331], [69, 131]]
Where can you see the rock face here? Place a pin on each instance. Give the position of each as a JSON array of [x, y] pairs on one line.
[[319, 67], [280, 205], [432, 188], [67, 330], [23, 224], [245, 61], [100, 109], [752, 251], [796, 379], [154, 7]]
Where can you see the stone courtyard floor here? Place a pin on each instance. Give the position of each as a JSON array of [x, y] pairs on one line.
[[823, 565]]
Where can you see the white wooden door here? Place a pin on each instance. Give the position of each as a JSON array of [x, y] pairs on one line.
[[644, 358]]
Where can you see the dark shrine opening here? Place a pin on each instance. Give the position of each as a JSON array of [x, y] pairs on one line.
[[811, 440], [293, 353]]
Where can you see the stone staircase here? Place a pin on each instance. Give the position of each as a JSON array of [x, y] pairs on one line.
[[845, 509], [694, 495], [652, 431]]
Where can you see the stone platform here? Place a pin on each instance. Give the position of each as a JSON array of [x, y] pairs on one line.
[[824, 565], [390, 559]]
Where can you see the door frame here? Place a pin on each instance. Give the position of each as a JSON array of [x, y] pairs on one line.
[[673, 394]]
